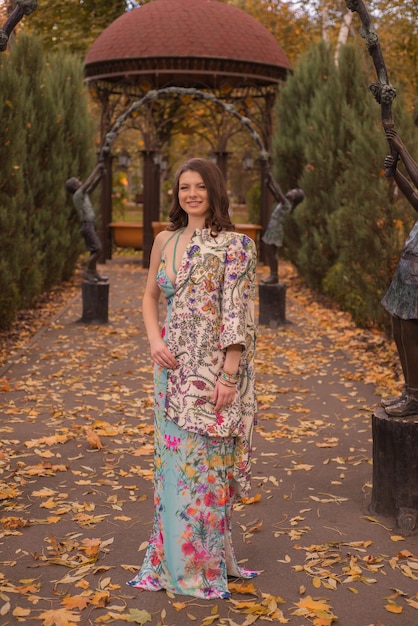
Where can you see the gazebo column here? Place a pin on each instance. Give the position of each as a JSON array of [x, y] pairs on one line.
[[266, 200], [151, 202], [103, 230], [222, 162], [156, 188], [265, 204]]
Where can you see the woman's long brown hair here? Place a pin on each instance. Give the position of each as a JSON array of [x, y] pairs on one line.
[[218, 218]]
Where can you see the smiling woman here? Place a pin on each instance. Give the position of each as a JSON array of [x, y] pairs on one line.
[[204, 387], [193, 195]]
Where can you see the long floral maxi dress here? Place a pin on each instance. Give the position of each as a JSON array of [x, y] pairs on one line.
[[190, 550]]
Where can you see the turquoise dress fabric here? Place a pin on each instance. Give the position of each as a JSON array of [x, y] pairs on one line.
[[190, 550]]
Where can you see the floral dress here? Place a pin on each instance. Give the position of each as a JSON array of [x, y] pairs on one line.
[[190, 550]]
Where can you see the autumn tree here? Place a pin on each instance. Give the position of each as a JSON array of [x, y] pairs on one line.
[[297, 24], [75, 24]]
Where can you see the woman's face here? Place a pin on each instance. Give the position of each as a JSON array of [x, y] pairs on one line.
[[193, 195]]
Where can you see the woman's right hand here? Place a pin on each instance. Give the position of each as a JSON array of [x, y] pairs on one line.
[[161, 355]]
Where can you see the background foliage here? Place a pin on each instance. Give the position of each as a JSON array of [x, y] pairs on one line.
[[347, 234], [345, 238], [46, 136]]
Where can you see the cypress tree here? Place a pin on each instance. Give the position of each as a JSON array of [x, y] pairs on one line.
[[47, 135], [317, 126], [12, 222], [71, 153], [372, 219], [346, 236]]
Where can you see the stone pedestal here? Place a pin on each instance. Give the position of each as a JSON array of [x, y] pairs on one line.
[[272, 304], [95, 302], [395, 468]]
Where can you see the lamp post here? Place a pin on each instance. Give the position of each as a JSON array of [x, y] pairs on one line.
[[124, 159], [247, 162]]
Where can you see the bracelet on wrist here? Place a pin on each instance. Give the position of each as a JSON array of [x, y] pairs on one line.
[[229, 378], [226, 384]]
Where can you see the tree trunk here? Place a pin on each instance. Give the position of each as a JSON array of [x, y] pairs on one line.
[[343, 35], [324, 20]]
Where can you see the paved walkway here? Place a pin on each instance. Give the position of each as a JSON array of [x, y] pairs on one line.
[[76, 472]]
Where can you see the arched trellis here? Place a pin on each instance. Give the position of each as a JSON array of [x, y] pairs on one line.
[[155, 94]]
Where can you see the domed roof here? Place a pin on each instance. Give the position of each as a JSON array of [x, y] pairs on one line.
[[187, 43]]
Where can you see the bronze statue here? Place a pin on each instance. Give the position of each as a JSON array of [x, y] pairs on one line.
[[401, 299], [81, 199], [273, 237], [22, 8]]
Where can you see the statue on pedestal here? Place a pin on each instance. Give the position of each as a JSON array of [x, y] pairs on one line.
[[81, 199], [401, 299], [273, 237]]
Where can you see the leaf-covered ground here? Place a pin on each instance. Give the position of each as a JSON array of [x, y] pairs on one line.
[[76, 473]]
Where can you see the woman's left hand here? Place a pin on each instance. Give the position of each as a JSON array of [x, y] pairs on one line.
[[223, 395]]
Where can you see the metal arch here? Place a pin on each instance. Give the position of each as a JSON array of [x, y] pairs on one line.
[[154, 94]]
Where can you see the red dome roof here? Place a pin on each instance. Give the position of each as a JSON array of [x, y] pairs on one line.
[[197, 36]]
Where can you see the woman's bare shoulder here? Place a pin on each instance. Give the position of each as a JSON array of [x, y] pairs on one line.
[[162, 237]]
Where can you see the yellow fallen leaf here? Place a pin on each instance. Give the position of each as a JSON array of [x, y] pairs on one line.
[[94, 440], [255, 498], [243, 588], [5, 608], [412, 603], [393, 608], [397, 538], [405, 554], [59, 617], [20, 612], [76, 602]]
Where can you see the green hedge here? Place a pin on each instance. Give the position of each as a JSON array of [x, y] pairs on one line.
[[346, 236], [46, 136]]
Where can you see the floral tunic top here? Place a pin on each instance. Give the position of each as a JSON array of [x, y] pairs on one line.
[[212, 308]]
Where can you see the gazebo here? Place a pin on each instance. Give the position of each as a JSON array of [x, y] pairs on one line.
[[201, 44]]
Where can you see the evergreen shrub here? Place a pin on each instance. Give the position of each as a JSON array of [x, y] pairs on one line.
[[46, 136], [346, 236]]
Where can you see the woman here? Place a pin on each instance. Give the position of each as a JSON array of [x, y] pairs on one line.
[[204, 387], [401, 299]]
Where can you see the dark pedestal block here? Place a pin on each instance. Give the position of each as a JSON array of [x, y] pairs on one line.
[[95, 302], [272, 304], [395, 468]]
